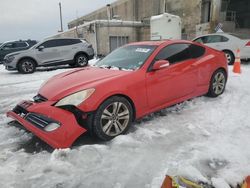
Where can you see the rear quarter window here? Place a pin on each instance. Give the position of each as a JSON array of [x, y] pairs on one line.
[[174, 53], [196, 51]]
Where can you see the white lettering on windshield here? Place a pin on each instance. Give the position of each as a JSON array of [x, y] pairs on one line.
[[142, 50]]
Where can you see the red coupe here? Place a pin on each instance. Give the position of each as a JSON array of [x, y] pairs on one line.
[[131, 82]]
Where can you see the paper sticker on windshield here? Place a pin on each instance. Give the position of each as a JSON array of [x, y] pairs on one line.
[[143, 50]]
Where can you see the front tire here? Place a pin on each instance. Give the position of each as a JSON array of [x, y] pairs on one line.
[[217, 83], [26, 66], [81, 60], [113, 118]]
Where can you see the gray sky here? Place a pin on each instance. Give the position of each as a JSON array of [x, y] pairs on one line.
[[37, 19]]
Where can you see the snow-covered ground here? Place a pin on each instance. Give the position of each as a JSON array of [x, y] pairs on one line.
[[204, 139]]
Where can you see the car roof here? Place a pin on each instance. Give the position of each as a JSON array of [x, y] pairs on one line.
[[28, 40], [158, 43], [212, 34], [62, 38]]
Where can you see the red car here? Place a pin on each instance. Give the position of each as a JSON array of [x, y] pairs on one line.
[[131, 82]]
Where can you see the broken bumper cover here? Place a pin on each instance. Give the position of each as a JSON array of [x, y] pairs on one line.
[[36, 116]]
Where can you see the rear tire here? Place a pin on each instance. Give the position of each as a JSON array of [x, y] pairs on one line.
[[217, 84], [113, 118], [230, 57], [81, 60], [26, 66]]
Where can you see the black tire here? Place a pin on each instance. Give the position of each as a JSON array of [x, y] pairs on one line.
[[217, 83], [81, 60], [230, 57], [26, 66], [107, 123]]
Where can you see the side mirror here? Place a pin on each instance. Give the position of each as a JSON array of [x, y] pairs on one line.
[[40, 48], [160, 64]]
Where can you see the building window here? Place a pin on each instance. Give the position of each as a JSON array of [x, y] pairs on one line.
[[205, 11], [117, 41]]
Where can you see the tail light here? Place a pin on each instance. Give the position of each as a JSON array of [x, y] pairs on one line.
[[248, 44]]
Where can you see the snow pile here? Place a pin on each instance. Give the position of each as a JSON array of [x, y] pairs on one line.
[[204, 139]]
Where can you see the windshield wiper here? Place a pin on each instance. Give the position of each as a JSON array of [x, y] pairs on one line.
[[110, 67], [105, 66]]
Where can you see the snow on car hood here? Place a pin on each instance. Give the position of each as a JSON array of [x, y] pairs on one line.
[[70, 82]]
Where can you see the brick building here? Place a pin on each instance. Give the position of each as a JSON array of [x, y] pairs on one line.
[[128, 20]]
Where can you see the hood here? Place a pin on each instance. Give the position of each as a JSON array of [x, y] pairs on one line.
[[76, 80], [17, 53]]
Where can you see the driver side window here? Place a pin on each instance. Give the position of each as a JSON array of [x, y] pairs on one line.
[[174, 53], [49, 44]]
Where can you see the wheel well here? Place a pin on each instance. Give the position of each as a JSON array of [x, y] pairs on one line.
[[129, 100], [223, 69], [78, 53], [27, 58], [226, 50]]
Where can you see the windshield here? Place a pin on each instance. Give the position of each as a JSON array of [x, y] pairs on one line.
[[1, 45], [128, 57]]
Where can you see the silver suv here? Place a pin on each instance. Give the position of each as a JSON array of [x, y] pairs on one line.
[[51, 52]]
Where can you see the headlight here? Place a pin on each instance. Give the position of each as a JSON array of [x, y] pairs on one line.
[[76, 98], [10, 58]]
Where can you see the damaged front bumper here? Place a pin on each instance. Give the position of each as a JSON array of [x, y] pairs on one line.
[[57, 127]]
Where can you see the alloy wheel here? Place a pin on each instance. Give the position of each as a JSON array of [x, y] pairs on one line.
[[219, 83], [115, 119], [82, 60], [27, 66]]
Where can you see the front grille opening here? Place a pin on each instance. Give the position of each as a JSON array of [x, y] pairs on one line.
[[20, 110], [38, 120]]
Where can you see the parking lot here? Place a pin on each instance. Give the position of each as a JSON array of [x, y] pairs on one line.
[[205, 139]]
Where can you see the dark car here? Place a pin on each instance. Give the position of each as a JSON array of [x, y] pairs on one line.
[[14, 46]]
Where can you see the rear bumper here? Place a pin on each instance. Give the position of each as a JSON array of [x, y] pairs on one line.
[[245, 53], [62, 137], [91, 56], [90, 52]]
